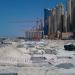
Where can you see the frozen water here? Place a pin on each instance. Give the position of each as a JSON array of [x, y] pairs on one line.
[[16, 58], [65, 65]]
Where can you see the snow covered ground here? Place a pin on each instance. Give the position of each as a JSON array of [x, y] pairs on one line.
[[45, 57]]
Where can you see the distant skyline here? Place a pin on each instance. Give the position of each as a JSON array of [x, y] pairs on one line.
[[16, 10]]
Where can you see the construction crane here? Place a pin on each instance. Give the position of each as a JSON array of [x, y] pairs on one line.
[[37, 27], [37, 22]]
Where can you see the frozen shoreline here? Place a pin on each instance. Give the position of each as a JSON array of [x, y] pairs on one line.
[[18, 59]]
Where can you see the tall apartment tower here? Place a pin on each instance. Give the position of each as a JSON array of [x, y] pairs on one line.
[[72, 14], [59, 16], [52, 21], [54, 27], [69, 14], [47, 13], [50, 28], [69, 8], [65, 22]]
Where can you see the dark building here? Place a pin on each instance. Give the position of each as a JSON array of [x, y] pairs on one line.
[[54, 19], [72, 15], [57, 19], [45, 29], [47, 13]]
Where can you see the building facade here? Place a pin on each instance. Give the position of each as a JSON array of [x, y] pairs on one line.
[[59, 19], [71, 14], [54, 19], [47, 13]]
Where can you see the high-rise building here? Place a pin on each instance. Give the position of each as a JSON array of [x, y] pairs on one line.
[[65, 22], [59, 16], [59, 19], [68, 15], [47, 13], [53, 17], [72, 14], [50, 25], [69, 8], [50, 22]]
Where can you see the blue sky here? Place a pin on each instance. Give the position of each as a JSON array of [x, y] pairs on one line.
[[18, 10]]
